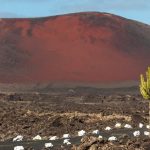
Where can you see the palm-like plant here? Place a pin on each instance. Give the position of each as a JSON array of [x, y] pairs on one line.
[[145, 88]]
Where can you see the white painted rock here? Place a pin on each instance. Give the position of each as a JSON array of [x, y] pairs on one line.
[[146, 133], [148, 126], [128, 126], [136, 133], [100, 137], [48, 145], [141, 125], [95, 132], [18, 138], [66, 136], [108, 128], [118, 125], [66, 141], [81, 133], [18, 148], [38, 137], [112, 138], [52, 138]]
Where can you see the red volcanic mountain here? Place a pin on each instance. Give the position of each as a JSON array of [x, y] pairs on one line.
[[82, 47]]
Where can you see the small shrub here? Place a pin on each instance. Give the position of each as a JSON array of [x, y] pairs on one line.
[[145, 85], [145, 88]]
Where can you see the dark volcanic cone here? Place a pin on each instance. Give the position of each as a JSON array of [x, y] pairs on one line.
[[82, 47]]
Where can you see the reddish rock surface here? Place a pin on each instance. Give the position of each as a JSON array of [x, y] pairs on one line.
[[85, 47]]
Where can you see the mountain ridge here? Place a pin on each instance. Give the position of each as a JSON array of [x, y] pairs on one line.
[[88, 47]]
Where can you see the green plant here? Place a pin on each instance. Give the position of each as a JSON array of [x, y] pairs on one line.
[[145, 88]]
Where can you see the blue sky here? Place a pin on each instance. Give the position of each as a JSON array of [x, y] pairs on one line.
[[132, 9]]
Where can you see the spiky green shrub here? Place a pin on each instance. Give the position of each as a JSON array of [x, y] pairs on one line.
[[145, 88], [145, 85]]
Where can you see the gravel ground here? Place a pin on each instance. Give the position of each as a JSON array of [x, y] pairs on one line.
[[56, 114]]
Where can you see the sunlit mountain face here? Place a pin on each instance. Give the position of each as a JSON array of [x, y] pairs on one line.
[[85, 47]]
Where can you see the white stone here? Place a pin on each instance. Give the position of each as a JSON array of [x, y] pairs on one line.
[[95, 132], [66, 136], [100, 137], [136, 133], [18, 138], [108, 128], [128, 126], [81, 133], [48, 145], [38, 137], [146, 133], [141, 125], [52, 138], [18, 148], [118, 125], [66, 141], [112, 138], [148, 126]]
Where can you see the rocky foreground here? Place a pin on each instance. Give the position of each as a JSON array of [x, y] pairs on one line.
[[54, 115], [92, 143]]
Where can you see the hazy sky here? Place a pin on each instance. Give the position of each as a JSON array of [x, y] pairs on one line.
[[133, 9]]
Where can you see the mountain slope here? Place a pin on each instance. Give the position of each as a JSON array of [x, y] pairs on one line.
[[85, 47]]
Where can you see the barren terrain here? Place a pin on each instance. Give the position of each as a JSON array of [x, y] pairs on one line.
[[73, 48], [54, 114]]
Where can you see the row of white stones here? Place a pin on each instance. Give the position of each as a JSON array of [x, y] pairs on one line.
[[82, 133]]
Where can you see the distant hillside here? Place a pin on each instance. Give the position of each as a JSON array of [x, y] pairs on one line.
[[85, 47]]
